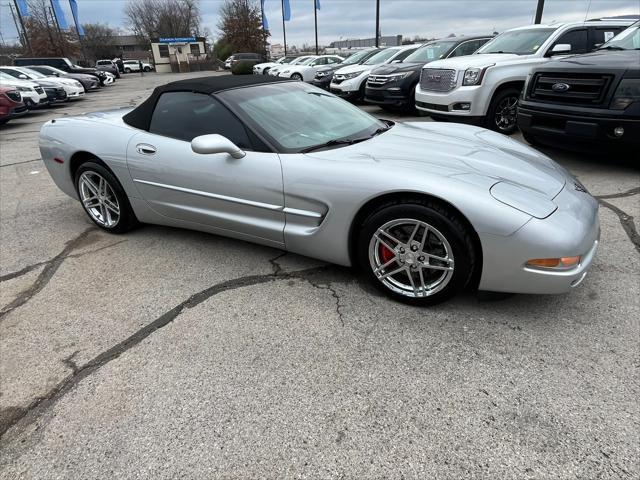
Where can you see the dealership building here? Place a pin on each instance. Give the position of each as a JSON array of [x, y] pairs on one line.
[[179, 54]]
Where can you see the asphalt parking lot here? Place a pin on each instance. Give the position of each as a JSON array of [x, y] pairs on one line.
[[174, 354]]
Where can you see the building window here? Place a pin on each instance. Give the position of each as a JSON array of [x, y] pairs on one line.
[[195, 49], [164, 51]]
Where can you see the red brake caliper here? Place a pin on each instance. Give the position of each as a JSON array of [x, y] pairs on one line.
[[386, 254]]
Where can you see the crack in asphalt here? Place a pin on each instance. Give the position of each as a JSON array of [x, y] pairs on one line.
[[626, 220], [329, 286], [13, 415], [20, 163], [45, 276]]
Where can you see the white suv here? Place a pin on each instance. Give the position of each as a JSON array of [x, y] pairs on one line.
[[349, 82], [483, 88]]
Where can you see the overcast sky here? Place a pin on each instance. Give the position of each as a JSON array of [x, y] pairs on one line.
[[356, 18]]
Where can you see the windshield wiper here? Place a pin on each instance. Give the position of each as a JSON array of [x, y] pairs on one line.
[[330, 143], [499, 51]]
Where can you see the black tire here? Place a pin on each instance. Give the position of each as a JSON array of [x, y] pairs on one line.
[[530, 139], [266, 71], [127, 70], [497, 106], [438, 217], [127, 219], [296, 76], [147, 69]]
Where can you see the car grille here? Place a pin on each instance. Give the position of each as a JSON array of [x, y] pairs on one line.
[[14, 95], [570, 88], [437, 79], [38, 90], [377, 80]]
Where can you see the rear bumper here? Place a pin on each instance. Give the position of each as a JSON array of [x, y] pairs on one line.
[[574, 229], [557, 127]]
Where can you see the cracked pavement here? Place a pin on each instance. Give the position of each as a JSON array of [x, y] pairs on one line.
[[166, 353]]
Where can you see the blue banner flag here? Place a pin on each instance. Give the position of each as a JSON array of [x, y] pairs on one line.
[[23, 8], [62, 22], [317, 4], [265, 23], [74, 11], [286, 12]]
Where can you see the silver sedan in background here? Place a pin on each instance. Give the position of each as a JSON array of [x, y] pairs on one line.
[[424, 209]]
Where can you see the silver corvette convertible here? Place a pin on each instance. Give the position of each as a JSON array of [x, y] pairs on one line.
[[425, 209]]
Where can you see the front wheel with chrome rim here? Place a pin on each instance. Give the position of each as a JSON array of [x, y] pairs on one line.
[[103, 198], [502, 115], [419, 252]]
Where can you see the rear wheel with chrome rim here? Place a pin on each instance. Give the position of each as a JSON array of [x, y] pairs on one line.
[[296, 76], [419, 252], [104, 199]]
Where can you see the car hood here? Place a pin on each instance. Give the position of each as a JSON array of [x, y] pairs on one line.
[[475, 60], [606, 59], [397, 68], [448, 150], [18, 83], [267, 64]]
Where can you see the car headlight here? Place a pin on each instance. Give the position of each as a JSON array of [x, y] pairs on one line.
[[627, 93], [23, 89], [77, 83], [473, 76], [347, 76], [395, 77]]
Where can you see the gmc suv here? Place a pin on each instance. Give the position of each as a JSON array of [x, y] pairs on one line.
[[593, 98], [483, 88]]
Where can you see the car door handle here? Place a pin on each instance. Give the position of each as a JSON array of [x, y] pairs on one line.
[[145, 149]]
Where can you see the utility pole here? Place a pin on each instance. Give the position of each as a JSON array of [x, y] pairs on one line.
[[315, 17], [24, 30], [539, 10], [284, 30], [377, 23]]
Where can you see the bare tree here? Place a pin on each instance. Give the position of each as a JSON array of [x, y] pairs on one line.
[[240, 26], [44, 35], [163, 18], [99, 40]]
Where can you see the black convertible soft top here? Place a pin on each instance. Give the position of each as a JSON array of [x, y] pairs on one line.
[[140, 117]]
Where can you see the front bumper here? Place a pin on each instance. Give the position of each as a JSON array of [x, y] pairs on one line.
[[573, 229], [386, 96], [588, 130], [348, 88], [448, 104], [323, 83]]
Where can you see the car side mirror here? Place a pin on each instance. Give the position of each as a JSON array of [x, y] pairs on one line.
[[396, 61], [214, 143], [560, 49], [23, 76]]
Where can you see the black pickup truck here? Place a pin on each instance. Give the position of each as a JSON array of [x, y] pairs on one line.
[[585, 102], [61, 63]]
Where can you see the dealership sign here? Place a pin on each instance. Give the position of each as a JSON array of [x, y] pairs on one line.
[[178, 40]]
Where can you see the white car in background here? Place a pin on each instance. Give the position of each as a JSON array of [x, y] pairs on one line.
[[349, 82], [33, 95], [275, 70], [73, 88], [134, 66], [307, 72], [263, 68]]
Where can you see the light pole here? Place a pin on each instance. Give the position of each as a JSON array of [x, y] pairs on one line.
[[377, 23], [539, 10]]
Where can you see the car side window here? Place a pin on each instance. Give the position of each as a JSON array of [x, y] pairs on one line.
[[320, 61], [186, 115], [576, 38], [465, 48], [600, 35], [402, 55]]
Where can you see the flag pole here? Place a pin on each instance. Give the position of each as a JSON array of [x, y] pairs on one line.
[[315, 17], [284, 30], [24, 30], [377, 23], [52, 12]]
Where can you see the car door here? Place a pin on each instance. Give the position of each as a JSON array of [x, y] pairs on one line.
[[243, 195]]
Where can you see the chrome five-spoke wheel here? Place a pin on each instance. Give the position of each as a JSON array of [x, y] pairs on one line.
[[411, 257], [99, 199]]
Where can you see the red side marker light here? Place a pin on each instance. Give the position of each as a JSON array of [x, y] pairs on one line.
[[58, 160]]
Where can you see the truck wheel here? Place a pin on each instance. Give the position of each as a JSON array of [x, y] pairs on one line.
[[503, 110], [127, 70]]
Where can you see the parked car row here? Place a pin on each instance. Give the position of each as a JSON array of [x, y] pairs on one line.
[[38, 84], [118, 66], [481, 80]]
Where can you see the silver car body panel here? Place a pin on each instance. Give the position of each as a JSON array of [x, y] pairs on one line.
[[307, 203]]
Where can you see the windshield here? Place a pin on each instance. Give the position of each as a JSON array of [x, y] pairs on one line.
[[32, 73], [382, 56], [296, 116], [429, 53], [299, 60], [629, 39], [6, 76], [358, 57], [520, 42]]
